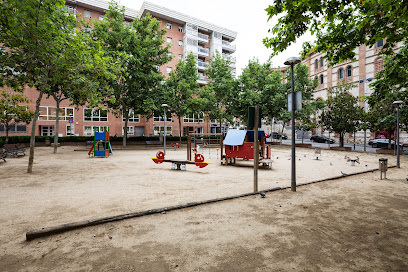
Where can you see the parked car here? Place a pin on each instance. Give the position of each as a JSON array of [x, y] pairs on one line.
[[277, 135], [381, 143], [321, 139]]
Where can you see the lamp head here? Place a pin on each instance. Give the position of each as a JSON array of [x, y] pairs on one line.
[[165, 105], [398, 102], [292, 61]]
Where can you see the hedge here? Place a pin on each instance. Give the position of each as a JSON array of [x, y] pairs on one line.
[[38, 139]]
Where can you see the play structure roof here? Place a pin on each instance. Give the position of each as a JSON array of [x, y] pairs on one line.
[[235, 137]]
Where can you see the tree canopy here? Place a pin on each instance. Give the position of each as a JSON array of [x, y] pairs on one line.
[[339, 26], [139, 51]]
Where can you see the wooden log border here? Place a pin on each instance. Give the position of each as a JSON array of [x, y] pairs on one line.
[[46, 231]]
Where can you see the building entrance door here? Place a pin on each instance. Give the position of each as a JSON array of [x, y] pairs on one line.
[[47, 130]]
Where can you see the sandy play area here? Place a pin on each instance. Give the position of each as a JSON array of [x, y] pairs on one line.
[[355, 223]]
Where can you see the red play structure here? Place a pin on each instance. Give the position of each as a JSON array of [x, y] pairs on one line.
[[240, 144]]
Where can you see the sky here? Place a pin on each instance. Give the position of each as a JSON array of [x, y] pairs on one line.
[[250, 21]]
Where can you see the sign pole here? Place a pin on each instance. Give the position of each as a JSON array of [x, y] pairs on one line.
[[256, 148]]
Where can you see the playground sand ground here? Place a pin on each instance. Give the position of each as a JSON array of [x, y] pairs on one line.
[[355, 223]]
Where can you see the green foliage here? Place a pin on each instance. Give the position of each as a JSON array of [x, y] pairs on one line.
[[1, 142], [339, 26], [254, 80], [182, 90], [13, 109], [138, 49], [341, 113], [220, 90]]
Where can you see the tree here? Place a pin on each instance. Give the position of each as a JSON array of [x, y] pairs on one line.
[[341, 113], [36, 34], [182, 89], [220, 90], [139, 49], [339, 26], [83, 71], [252, 83], [13, 109], [304, 117]]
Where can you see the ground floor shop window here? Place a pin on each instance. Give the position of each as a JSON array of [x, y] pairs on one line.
[[70, 130], [130, 130], [14, 128], [160, 130], [89, 130]]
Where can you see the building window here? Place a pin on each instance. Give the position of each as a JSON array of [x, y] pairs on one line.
[[316, 64], [180, 57], [169, 40], [14, 128], [321, 63], [160, 118], [71, 9], [321, 79], [169, 26], [101, 17], [194, 118], [95, 115], [89, 130], [168, 70], [349, 71], [87, 14], [134, 118], [160, 130], [380, 43], [378, 65], [341, 73], [126, 23], [181, 29], [170, 55], [70, 130], [180, 43], [50, 113], [130, 130]]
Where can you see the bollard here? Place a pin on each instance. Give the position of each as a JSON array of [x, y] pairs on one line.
[[383, 166]]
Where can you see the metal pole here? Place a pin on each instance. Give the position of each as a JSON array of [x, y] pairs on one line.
[[256, 148], [365, 110], [293, 182], [164, 140], [398, 149]]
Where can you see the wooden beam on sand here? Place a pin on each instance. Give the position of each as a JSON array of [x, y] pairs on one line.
[[33, 234]]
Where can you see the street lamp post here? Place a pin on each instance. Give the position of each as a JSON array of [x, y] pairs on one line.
[[164, 139], [397, 142], [292, 62]]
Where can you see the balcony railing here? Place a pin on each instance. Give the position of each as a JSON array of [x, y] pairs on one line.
[[203, 50], [202, 64], [203, 79], [228, 45], [203, 36], [231, 58]]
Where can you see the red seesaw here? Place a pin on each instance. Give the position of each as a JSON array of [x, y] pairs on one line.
[[198, 160]]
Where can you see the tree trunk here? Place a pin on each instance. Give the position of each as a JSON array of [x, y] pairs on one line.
[[7, 127], [32, 139], [341, 140], [180, 128], [126, 112], [56, 125]]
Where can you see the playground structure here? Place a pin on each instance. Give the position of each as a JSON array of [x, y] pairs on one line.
[[240, 144], [180, 164], [101, 145], [196, 141]]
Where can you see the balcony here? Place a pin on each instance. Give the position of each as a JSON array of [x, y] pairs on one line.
[[202, 80], [203, 52], [228, 46], [202, 65], [231, 58], [202, 38]]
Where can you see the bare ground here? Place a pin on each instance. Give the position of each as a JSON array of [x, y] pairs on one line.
[[352, 224]]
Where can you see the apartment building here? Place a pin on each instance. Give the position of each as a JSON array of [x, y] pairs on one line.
[[185, 34]]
